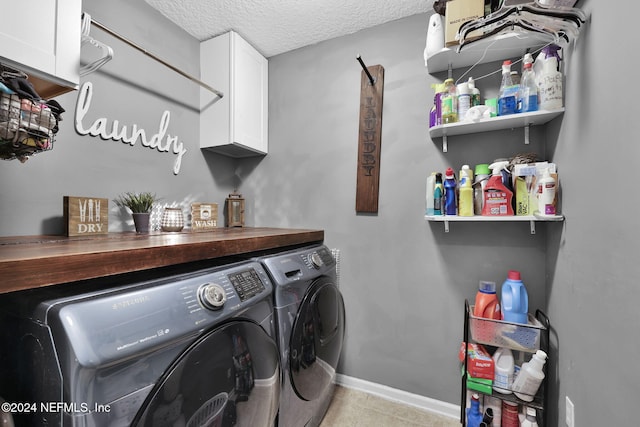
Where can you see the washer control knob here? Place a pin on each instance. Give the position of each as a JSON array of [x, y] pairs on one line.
[[213, 296], [316, 260]]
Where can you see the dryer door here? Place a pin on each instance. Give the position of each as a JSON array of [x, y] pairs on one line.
[[316, 339], [228, 377]]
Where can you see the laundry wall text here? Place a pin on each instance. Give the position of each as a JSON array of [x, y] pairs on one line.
[[160, 141]]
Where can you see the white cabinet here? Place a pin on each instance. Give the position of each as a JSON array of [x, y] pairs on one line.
[[42, 38], [235, 125]]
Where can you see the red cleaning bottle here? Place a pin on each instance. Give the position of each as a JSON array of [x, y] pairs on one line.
[[497, 197]]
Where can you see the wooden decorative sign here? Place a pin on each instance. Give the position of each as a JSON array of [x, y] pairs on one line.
[[204, 216], [369, 139], [86, 216]]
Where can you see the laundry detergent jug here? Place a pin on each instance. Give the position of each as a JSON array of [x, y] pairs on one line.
[[515, 300], [487, 304]]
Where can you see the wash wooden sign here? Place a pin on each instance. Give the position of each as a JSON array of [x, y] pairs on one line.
[[204, 216], [86, 216], [369, 140]]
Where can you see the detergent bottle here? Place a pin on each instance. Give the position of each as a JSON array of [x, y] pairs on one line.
[[546, 194], [515, 299], [450, 202], [549, 78], [487, 303], [435, 115], [449, 102], [497, 197], [465, 189]]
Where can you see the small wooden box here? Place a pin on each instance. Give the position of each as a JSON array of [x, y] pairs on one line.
[[204, 216], [86, 216]]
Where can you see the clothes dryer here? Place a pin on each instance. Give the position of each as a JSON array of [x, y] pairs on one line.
[[192, 349], [310, 318]]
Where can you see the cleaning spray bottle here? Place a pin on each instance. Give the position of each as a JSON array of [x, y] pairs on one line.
[[465, 191], [435, 115], [526, 384], [507, 101], [450, 202], [549, 78], [474, 416], [497, 197], [438, 195], [528, 100], [546, 194], [431, 184]]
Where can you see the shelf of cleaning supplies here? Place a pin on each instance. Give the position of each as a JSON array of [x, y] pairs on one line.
[[511, 121], [532, 219], [490, 49]]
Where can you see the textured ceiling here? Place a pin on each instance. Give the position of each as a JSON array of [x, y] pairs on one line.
[[277, 26]]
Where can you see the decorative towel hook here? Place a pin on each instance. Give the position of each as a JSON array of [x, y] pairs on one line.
[[364, 67]]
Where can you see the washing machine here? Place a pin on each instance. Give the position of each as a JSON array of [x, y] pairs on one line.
[[310, 319], [187, 349]]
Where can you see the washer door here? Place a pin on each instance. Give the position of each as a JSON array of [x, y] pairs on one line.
[[228, 377], [316, 339]]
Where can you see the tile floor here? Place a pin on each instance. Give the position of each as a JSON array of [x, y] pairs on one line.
[[353, 408]]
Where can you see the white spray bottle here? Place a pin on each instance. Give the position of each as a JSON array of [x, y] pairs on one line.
[[549, 78]]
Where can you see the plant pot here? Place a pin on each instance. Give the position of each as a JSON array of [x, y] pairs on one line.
[[141, 221]]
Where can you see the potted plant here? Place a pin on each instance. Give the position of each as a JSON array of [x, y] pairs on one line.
[[140, 205]]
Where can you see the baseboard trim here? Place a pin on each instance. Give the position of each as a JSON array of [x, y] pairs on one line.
[[401, 396]]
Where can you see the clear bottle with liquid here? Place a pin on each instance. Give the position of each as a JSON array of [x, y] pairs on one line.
[[528, 88], [449, 102], [507, 101]]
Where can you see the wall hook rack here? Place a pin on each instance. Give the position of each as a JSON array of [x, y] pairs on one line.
[[364, 67]]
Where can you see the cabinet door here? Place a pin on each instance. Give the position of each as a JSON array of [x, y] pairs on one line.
[[237, 124], [249, 92], [42, 37]]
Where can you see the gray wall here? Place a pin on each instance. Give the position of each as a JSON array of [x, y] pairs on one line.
[[134, 90], [404, 280]]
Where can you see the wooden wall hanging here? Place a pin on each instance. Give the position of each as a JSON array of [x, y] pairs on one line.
[[369, 138]]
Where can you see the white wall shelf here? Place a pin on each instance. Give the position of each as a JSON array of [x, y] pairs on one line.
[[532, 219], [511, 121], [502, 46]]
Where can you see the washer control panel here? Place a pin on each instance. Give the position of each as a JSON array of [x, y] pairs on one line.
[[318, 258], [247, 283]]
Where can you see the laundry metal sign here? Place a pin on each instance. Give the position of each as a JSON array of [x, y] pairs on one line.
[[160, 141], [369, 139]]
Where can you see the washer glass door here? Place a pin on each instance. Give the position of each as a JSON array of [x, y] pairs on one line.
[[316, 339], [228, 377]]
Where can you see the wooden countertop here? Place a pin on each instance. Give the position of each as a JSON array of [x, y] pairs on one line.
[[35, 261]]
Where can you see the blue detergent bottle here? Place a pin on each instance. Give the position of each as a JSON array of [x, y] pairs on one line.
[[450, 187], [474, 416], [515, 300]]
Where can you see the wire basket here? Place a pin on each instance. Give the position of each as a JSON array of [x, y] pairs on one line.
[[26, 127], [500, 333]]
